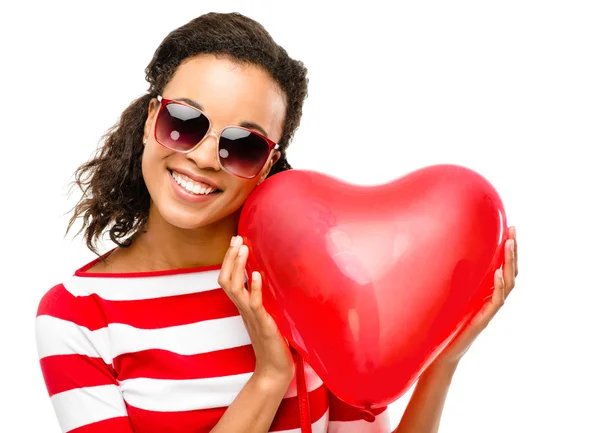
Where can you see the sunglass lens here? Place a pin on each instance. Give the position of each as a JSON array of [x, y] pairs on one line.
[[180, 127], [242, 152]]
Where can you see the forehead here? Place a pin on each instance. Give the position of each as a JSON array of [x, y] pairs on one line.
[[230, 93]]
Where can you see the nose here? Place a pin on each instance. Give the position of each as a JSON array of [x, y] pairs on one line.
[[205, 155]]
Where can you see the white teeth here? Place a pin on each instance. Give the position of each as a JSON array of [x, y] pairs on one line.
[[177, 178], [191, 186]]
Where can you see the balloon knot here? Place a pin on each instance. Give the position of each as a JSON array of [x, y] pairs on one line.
[[367, 415]]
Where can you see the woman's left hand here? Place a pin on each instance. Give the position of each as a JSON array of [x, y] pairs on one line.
[[504, 282]]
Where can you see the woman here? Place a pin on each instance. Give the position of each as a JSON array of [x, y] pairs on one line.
[[159, 334]]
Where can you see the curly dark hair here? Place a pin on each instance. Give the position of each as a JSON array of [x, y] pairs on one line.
[[114, 195]]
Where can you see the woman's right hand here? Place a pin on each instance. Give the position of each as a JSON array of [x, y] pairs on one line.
[[274, 362]]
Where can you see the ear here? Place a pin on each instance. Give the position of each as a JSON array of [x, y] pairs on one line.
[[152, 106], [274, 159]]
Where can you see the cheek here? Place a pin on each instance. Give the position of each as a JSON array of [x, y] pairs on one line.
[[153, 159], [148, 170], [154, 172], [240, 190]]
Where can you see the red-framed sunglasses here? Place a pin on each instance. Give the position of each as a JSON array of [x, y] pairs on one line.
[[182, 128]]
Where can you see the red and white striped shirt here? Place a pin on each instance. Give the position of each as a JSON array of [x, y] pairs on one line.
[[162, 351]]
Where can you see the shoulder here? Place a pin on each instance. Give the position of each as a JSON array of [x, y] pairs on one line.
[[67, 324], [53, 299], [63, 303]]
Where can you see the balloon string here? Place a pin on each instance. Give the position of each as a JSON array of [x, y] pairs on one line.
[[303, 403]]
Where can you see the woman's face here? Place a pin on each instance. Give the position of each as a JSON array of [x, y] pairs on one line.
[[229, 94]]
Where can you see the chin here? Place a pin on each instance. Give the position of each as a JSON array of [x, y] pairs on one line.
[[192, 217], [185, 219]]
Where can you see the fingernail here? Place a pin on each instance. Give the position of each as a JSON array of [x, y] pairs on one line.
[[243, 250], [232, 243], [511, 245], [499, 273], [238, 241]]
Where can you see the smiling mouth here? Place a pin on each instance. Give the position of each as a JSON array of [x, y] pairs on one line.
[[192, 186]]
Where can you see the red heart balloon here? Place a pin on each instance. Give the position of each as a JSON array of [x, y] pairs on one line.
[[370, 283]]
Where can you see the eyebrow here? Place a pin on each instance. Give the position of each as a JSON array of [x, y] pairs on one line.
[[245, 124]]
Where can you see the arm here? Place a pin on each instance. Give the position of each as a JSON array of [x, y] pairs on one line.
[[424, 410], [254, 408]]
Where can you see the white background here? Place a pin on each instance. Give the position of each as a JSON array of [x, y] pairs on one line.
[[510, 89]]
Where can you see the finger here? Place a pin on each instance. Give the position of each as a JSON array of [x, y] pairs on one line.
[[228, 261], [489, 310], [265, 320], [498, 296], [516, 253], [509, 267], [236, 285], [255, 303]]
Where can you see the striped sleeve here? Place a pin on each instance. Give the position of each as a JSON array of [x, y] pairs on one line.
[[344, 418], [74, 352]]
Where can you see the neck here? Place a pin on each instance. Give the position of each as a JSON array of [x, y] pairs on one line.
[[164, 246]]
